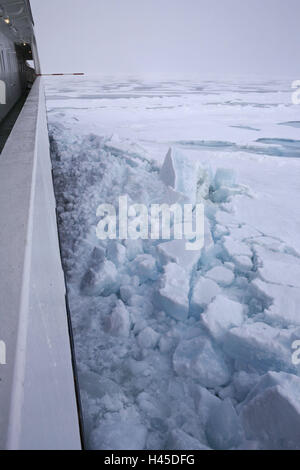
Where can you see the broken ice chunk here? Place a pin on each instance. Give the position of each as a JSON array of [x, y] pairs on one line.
[[97, 386], [119, 431], [126, 292], [203, 292], [279, 268], [224, 177], [236, 248], [243, 382], [199, 359], [175, 251], [180, 440], [271, 412], [118, 322], [220, 231], [221, 275], [167, 343], [148, 338], [224, 186], [243, 263], [134, 248], [261, 347], [204, 401], [224, 430], [105, 281], [174, 291], [229, 265], [180, 174], [97, 258], [221, 315], [116, 252], [203, 183], [145, 267], [284, 308], [152, 406], [167, 172]]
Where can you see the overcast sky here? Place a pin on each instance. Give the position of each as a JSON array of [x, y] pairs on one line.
[[169, 37]]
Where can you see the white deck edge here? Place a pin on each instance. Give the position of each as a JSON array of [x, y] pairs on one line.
[[37, 393]]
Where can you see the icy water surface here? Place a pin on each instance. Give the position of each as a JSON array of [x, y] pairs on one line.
[[176, 351]]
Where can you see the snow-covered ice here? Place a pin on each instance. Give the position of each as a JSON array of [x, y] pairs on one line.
[[198, 358], [221, 275], [271, 411], [173, 293], [177, 349], [221, 315], [204, 291]]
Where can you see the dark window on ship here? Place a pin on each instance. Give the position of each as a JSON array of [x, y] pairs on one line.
[[11, 61], [2, 61]]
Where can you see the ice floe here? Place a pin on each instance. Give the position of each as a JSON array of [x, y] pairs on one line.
[[181, 349]]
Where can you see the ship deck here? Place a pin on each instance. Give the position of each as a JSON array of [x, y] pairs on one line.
[[38, 408]]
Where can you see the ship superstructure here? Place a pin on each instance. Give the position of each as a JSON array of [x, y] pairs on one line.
[[17, 51], [38, 406]]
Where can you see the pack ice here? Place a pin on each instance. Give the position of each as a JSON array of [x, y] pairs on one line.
[[175, 350]]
